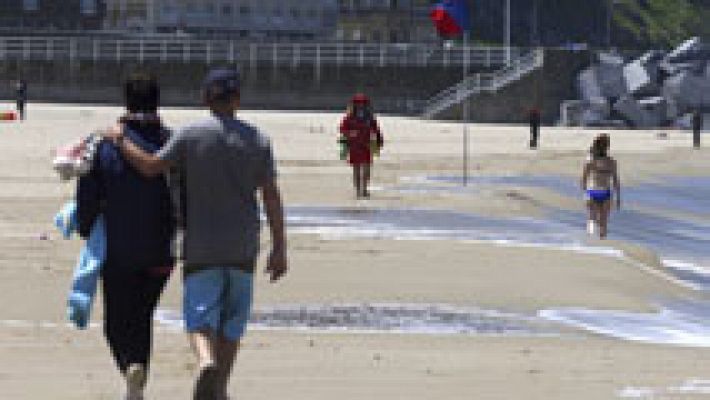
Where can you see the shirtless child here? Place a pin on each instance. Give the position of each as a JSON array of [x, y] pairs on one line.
[[599, 176]]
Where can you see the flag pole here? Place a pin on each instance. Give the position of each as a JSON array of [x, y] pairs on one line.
[[507, 32], [464, 113]]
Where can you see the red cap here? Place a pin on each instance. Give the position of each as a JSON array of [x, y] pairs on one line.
[[360, 98]]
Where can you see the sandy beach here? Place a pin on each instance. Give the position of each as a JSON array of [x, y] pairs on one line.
[[507, 252]]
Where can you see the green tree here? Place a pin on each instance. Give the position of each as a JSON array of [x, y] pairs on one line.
[[658, 23]]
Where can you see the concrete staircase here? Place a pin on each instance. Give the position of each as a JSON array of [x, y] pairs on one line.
[[484, 82]]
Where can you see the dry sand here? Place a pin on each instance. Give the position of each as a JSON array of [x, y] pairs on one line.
[[40, 360]]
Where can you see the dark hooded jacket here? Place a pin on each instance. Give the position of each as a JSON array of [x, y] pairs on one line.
[[137, 211]]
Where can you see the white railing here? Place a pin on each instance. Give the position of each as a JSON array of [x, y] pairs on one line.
[[484, 82], [211, 51]]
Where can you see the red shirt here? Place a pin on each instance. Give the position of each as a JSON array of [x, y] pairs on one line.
[[359, 133]]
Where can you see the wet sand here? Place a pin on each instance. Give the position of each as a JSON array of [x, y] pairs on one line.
[[331, 270]]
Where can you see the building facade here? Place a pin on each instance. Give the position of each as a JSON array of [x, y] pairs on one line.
[[64, 15], [254, 19], [388, 21]]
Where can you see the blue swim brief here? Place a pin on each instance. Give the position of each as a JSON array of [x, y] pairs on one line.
[[599, 196], [218, 299]]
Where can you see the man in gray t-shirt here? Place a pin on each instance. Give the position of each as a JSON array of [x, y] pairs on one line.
[[224, 162]]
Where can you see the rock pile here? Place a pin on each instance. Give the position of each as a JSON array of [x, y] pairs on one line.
[[656, 89]]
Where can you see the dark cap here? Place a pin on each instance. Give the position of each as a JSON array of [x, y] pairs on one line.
[[221, 84]]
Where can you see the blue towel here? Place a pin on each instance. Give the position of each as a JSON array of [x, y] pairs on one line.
[[88, 269], [66, 220]]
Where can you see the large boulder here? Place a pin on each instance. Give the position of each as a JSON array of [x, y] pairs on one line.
[[651, 57], [642, 75], [639, 80], [588, 84], [588, 114], [687, 91], [571, 112], [593, 112], [605, 79], [691, 50], [610, 59], [600, 106], [630, 109], [596, 112], [672, 109], [610, 75], [590, 118], [686, 122], [655, 110], [654, 89], [638, 114]]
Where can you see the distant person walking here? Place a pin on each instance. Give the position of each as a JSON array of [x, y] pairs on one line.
[[225, 162], [138, 217], [21, 97], [697, 127], [534, 121], [362, 139], [599, 176]]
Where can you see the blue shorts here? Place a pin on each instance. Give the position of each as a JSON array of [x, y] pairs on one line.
[[599, 196], [218, 299]]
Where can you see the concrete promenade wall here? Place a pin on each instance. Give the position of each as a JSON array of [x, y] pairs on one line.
[[395, 89]]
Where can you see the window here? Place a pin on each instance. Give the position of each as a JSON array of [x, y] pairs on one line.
[[244, 10], [88, 7], [31, 5], [227, 9], [295, 13]]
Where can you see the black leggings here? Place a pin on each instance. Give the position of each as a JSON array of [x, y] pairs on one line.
[[130, 299], [21, 109]]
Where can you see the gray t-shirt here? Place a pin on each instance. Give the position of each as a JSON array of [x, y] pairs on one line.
[[223, 161]]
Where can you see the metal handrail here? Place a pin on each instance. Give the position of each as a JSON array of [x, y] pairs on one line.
[[484, 82], [207, 51]]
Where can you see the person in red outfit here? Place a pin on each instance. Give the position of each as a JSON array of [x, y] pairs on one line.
[[360, 133]]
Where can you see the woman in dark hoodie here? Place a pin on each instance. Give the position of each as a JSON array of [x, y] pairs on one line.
[[139, 222]]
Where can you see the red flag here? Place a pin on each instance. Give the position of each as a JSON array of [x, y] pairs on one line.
[[445, 25], [451, 17]]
